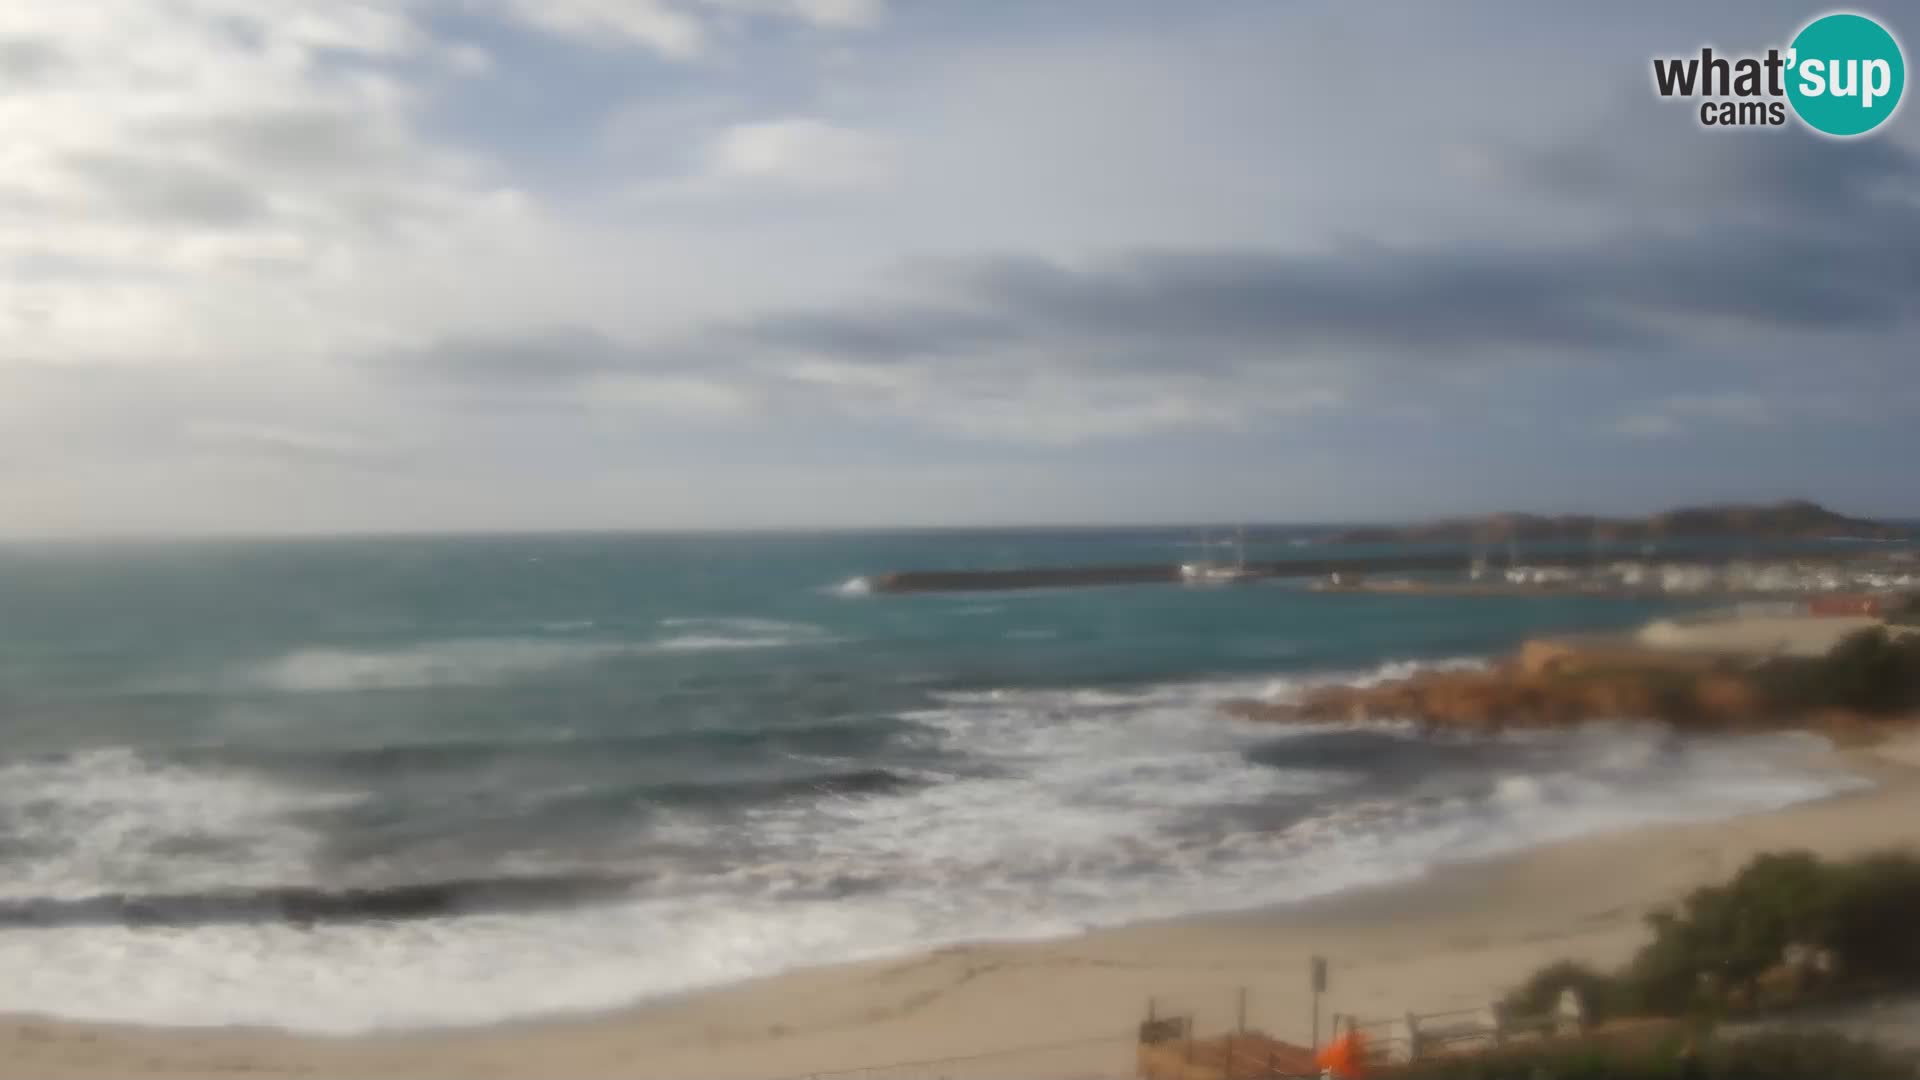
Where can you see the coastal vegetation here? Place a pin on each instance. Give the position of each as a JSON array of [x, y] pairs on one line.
[[1810, 1055], [1870, 671], [1907, 614], [1787, 929]]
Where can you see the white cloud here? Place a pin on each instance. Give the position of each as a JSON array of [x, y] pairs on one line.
[[840, 12], [194, 173], [675, 396], [1674, 415], [678, 29], [797, 151], [1732, 407], [466, 58], [1647, 425], [1038, 400], [247, 439], [654, 25]]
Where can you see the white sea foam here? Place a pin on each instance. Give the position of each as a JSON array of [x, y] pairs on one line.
[[709, 642], [730, 624], [484, 661], [109, 821], [436, 663], [1094, 806], [855, 586], [704, 633]]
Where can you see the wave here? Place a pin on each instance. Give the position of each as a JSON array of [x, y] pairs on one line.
[[1067, 808], [1200, 694], [731, 792], [303, 905], [710, 742], [853, 586], [455, 662], [110, 819], [742, 624], [709, 633], [723, 792], [488, 661], [711, 643]]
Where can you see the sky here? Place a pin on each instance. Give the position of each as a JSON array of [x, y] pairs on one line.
[[313, 266]]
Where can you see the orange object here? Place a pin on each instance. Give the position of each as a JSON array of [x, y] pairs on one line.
[[1343, 1056]]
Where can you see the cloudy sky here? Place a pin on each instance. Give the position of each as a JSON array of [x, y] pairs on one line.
[[350, 265]]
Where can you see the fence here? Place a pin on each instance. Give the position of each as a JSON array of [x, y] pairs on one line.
[[1238, 1033], [1226, 1035], [1176, 1043]]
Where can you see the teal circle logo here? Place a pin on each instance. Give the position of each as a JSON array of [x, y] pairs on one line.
[[1846, 74]]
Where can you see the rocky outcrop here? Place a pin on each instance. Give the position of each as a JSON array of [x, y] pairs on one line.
[[1510, 696], [1867, 679]]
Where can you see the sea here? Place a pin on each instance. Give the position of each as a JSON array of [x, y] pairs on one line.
[[352, 784]]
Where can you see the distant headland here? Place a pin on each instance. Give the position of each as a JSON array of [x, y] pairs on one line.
[[1794, 519]]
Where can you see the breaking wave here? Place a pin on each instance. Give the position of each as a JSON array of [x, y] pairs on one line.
[[1049, 811], [484, 661]]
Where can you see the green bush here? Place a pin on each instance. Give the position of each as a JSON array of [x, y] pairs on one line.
[[1731, 932], [1779, 1056], [1720, 938], [1869, 670], [1599, 994], [1906, 611], [1873, 918]]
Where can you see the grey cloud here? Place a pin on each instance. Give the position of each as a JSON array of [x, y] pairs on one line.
[[1644, 161], [291, 445], [1390, 301], [1197, 309], [168, 189], [899, 333], [370, 178], [27, 61], [56, 265], [1832, 256], [556, 356], [306, 140], [1838, 251]]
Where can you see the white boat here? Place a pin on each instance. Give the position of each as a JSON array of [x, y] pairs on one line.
[[1212, 573]]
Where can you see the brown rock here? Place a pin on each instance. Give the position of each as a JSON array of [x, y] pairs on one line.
[[1544, 656], [1726, 698], [1557, 684]]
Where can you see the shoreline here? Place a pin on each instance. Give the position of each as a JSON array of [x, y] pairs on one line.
[[1454, 937]]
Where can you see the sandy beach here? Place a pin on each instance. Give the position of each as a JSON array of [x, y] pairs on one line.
[[1453, 939]]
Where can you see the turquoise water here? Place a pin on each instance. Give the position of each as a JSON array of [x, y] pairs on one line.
[[364, 783]]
